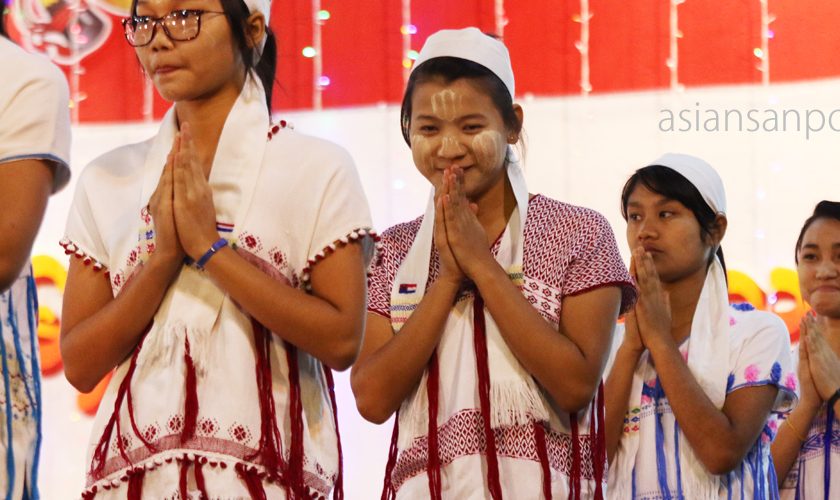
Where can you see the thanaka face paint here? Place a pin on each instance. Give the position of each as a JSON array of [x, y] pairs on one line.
[[457, 124]]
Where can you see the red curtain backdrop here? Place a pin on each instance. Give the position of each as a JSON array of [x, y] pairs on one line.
[[629, 45]]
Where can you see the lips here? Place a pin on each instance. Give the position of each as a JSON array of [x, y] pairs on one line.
[[165, 69], [827, 288]]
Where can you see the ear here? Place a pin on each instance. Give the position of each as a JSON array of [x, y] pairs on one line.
[[255, 29], [718, 230], [513, 135]]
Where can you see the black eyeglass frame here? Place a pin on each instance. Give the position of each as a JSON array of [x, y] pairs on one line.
[[131, 22]]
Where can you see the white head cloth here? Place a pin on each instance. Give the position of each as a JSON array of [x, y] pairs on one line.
[[701, 174], [263, 6], [708, 345], [473, 45]]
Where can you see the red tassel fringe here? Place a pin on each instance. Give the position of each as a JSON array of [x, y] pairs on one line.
[[574, 488], [338, 489], [135, 485], [199, 478], [182, 480], [542, 454], [596, 433], [190, 395], [270, 445], [388, 492], [433, 465], [481, 357], [252, 482], [296, 416], [100, 453]]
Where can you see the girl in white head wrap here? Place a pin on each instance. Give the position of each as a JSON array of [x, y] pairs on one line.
[[234, 258], [692, 380], [490, 316]]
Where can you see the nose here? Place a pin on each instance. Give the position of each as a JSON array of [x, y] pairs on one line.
[[451, 148], [827, 269], [646, 229]]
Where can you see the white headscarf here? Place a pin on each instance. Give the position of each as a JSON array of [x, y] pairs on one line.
[[709, 340], [473, 45]]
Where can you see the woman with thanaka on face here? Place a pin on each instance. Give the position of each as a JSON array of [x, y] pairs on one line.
[[235, 255], [34, 155], [692, 381], [490, 316], [806, 451]]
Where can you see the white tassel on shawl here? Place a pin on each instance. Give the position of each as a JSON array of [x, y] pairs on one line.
[[516, 402]]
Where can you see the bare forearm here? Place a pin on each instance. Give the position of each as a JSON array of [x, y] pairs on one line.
[[309, 322], [558, 364], [789, 439], [384, 379], [617, 394], [95, 345], [709, 431]]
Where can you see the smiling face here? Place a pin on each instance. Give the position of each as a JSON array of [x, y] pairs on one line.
[[193, 69], [670, 232], [457, 124], [819, 267]]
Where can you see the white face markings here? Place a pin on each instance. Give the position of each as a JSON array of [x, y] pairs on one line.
[[447, 104], [489, 147], [421, 152]]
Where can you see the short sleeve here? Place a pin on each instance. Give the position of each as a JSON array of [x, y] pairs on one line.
[[342, 215], [82, 236], [381, 279], [35, 116], [764, 357], [597, 262]]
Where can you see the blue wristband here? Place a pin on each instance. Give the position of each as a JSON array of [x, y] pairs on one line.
[[220, 243]]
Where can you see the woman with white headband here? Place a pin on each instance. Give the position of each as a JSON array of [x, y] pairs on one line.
[[692, 381], [490, 315], [220, 269], [806, 451]]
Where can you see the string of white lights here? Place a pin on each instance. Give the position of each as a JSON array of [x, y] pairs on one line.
[[407, 29], [317, 59], [673, 62], [501, 19], [582, 46], [763, 53]]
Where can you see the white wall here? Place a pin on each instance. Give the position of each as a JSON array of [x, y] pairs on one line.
[[579, 150]]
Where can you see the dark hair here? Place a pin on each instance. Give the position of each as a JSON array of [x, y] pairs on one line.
[[265, 68], [824, 210], [3, 9], [450, 69], [674, 186]]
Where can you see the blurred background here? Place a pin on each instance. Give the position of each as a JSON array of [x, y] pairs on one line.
[[607, 86]]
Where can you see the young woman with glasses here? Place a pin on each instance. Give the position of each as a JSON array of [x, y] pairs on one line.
[[220, 271], [34, 151]]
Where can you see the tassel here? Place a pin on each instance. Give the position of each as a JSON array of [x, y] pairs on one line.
[[388, 492], [296, 417], [270, 447], [101, 450], [574, 490], [597, 434], [679, 465], [199, 479], [829, 431], [433, 464], [338, 490], [481, 357], [252, 482], [135, 485], [661, 466], [190, 395], [182, 481], [542, 454]]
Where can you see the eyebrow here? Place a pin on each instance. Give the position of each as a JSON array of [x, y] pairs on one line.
[[814, 246], [659, 203], [473, 116]]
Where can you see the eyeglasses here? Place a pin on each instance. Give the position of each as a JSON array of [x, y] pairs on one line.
[[179, 25]]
